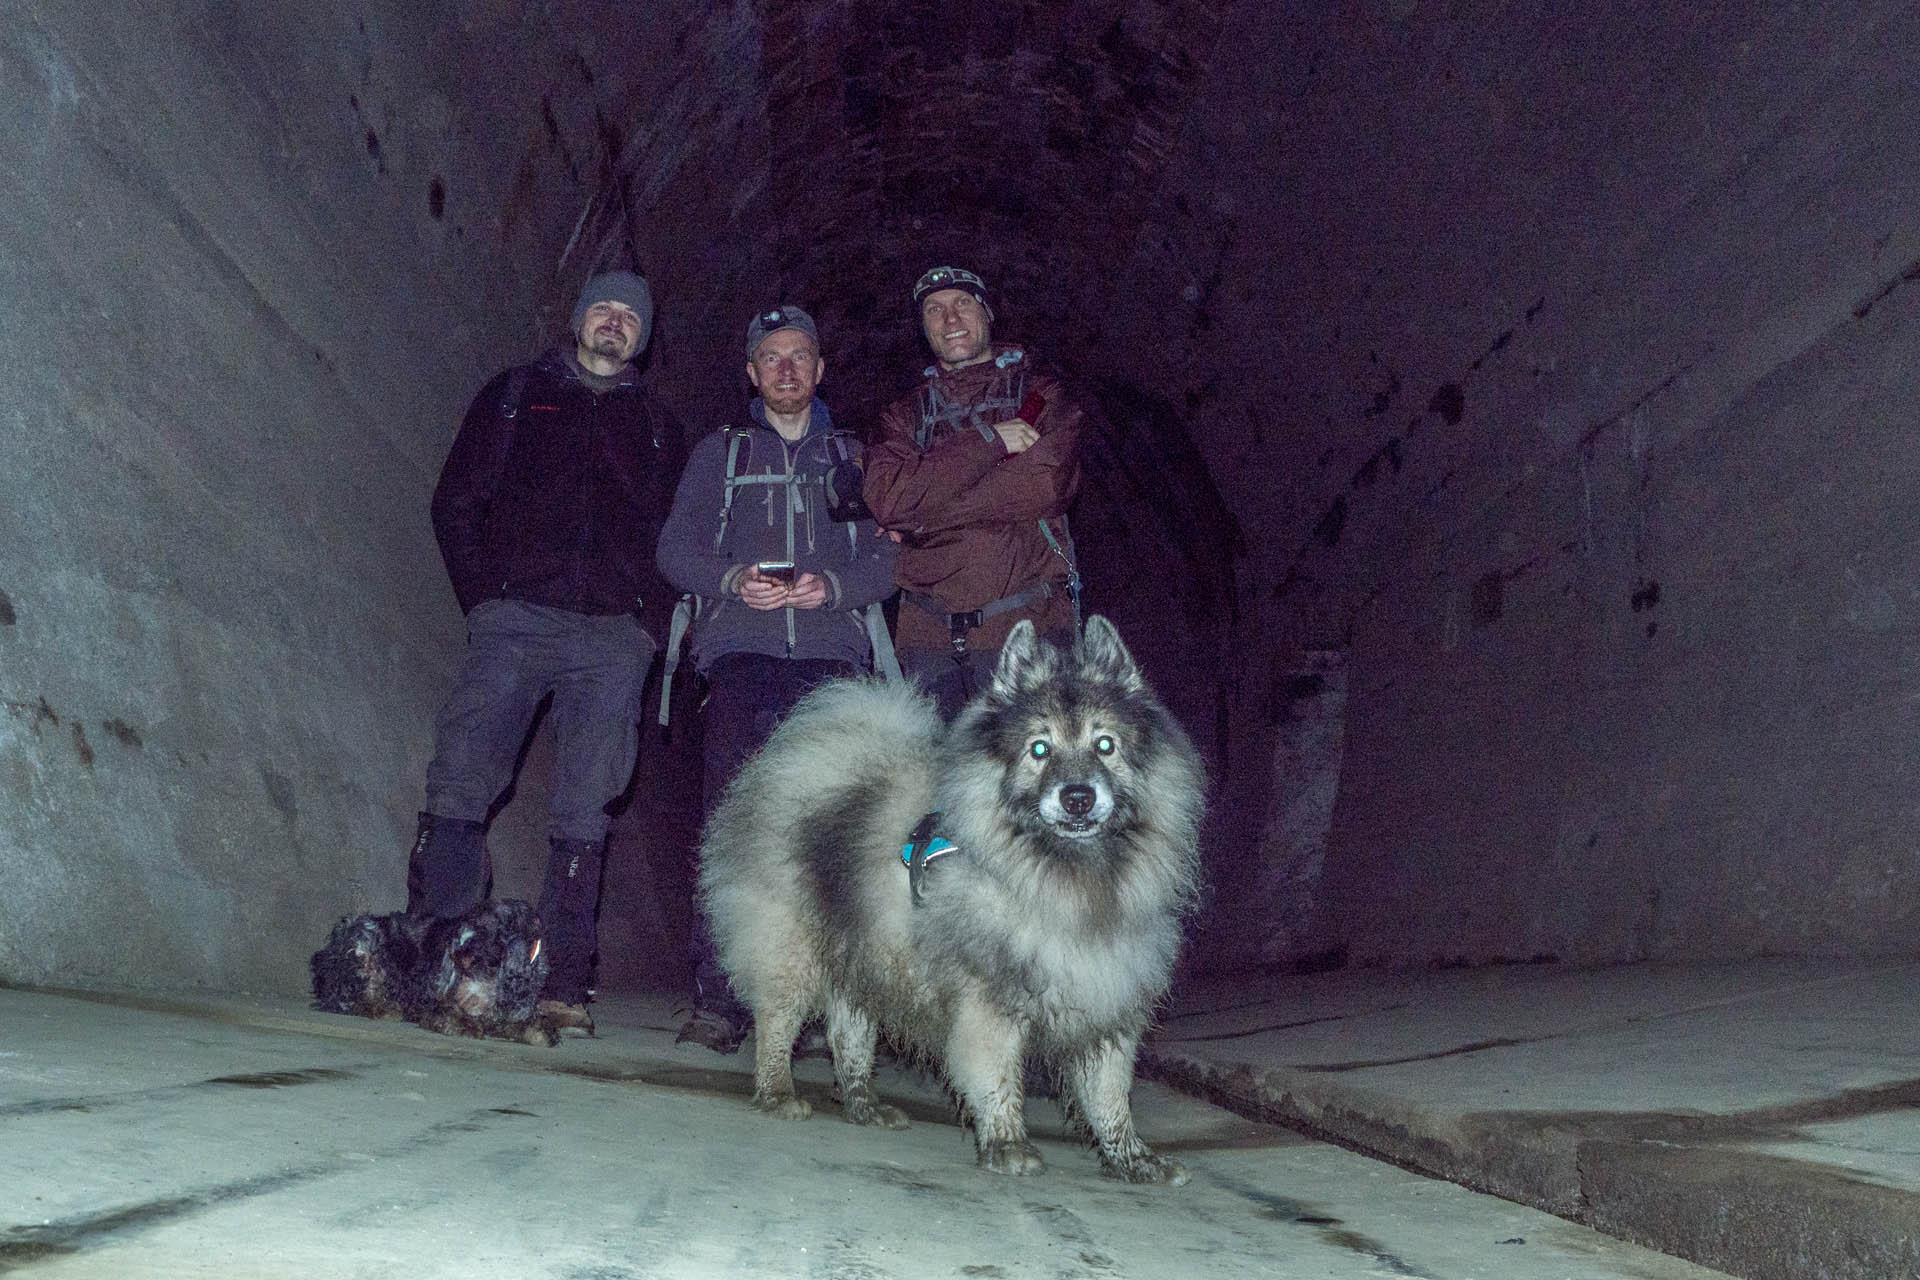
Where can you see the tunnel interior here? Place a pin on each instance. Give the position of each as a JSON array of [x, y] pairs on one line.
[[1498, 413]]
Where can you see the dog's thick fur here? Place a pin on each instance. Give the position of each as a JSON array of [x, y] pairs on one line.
[[1075, 802], [477, 974]]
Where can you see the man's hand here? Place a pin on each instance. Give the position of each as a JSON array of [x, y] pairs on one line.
[[1017, 434], [809, 591], [758, 591]]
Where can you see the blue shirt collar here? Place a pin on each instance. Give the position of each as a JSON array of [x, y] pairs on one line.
[[819, 421]]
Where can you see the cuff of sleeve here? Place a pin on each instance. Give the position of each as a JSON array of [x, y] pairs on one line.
[[833, 588], [730, 580]]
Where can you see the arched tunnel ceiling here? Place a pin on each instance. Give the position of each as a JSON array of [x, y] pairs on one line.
[[1375, 266], [828, 153], [1026, 139]]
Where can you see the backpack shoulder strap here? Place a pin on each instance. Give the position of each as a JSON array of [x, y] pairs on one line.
[[842, 442], [927, 400], [735, 438]]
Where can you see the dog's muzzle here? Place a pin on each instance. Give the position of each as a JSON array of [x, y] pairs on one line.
[[1076, 809]]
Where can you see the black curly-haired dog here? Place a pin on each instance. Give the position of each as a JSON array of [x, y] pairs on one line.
[[476, 974]]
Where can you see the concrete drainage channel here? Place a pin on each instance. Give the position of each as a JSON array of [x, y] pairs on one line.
[[1693, 1186]]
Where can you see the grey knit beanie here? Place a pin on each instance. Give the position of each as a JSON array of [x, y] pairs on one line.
[[623, 287]]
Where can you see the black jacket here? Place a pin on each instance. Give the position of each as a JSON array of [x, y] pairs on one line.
[[558, 499]]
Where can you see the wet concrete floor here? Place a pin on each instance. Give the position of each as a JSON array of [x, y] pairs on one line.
[[255, 1138]]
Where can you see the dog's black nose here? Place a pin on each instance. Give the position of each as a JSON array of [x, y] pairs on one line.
[[1077, 799]]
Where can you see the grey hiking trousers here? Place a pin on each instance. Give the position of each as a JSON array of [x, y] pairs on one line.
[[595, 667]]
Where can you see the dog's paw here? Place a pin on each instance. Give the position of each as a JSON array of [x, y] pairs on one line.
[[1146, 1167], [860, 1105], [541, 1034], [1019, 1159], [876, 1114], [787, 1108]]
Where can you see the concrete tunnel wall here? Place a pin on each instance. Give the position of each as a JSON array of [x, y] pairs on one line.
[[1623, 310], [1554, 371], [232, 339]]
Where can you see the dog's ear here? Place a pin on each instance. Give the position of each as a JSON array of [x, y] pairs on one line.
[[1025, 661], [1104, 658], [460, 952]]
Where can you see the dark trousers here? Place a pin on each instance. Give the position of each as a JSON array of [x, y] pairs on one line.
[[747, 695], [952, 679], [517, 653]]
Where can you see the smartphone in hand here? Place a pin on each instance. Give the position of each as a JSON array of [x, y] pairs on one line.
[[778, 570]]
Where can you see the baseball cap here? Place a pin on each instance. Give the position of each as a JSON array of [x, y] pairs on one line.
[[774, 319]]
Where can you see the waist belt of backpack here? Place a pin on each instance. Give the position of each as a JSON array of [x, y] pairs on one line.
[[958, 624], [683, 612]]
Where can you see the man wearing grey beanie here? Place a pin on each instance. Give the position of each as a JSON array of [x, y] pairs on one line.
[[547, 512]]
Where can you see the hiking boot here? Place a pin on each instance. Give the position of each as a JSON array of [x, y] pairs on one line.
[[569, 910], [716, 1031], [448, 868]]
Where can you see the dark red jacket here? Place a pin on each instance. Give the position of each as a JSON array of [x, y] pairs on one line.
[[968, 511], [559, 500]]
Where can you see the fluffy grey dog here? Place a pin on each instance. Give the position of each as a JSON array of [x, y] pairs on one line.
[[1071, 801]]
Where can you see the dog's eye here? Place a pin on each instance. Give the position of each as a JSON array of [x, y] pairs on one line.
[[1040, 749], [1104, 745]]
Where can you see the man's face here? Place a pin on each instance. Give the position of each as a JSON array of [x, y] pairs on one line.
[[785, 369], [956, 326], [611, 331]]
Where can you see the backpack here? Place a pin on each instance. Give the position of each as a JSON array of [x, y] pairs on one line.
[[687, 610], [1006, 394]]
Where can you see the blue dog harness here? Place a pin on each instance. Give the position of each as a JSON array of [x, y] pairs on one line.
[[922, 847]]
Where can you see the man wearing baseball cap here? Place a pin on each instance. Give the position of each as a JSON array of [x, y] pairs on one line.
[[973, 473], [784, 572], [547, 512]]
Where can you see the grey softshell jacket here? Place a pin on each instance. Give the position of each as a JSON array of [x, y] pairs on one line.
[[781, 514]]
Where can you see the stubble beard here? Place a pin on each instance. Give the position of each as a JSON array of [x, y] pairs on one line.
[[610, 346], [790, 403]]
